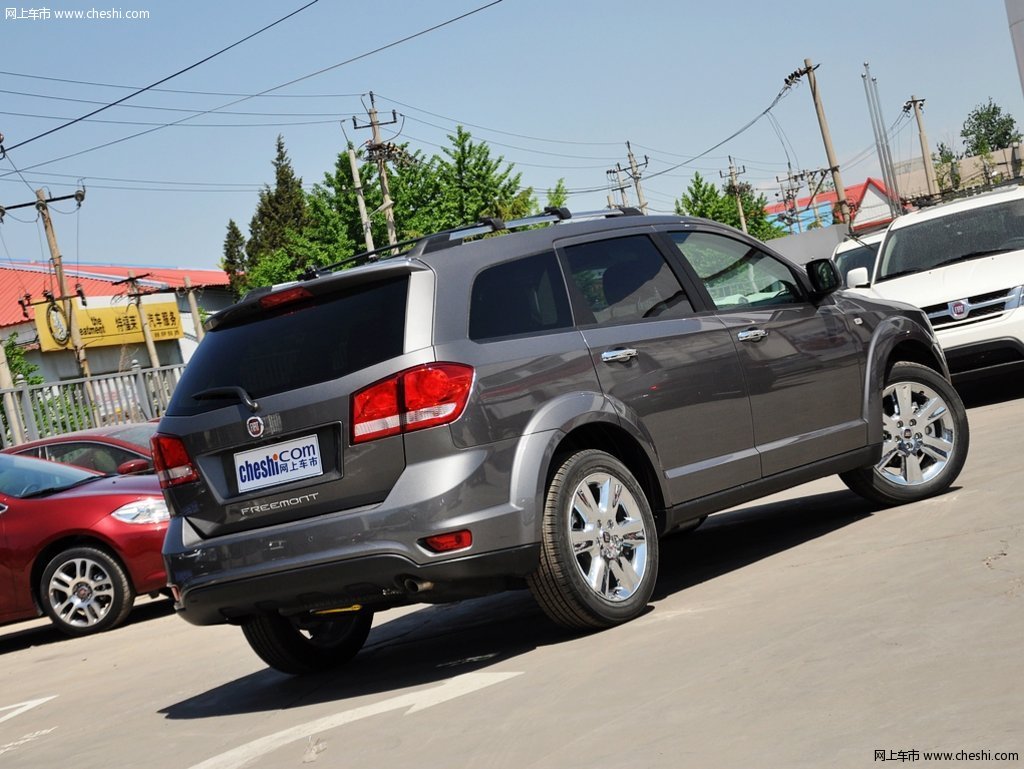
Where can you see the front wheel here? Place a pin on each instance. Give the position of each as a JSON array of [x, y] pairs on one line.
[[298, 645], [84, 590], [925, 439], [599, 549]]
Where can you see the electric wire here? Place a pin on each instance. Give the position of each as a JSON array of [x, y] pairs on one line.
[[162, 80], [183, 91], [274, 88]]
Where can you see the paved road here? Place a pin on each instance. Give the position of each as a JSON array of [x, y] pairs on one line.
[[801, 631]]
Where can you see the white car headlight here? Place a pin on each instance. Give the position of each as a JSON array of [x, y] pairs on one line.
[[143, 511]]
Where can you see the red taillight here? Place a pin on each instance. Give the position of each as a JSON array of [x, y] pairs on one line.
[[171, 460], [454, 540], [425, 396], [375, 411], [287, 296]]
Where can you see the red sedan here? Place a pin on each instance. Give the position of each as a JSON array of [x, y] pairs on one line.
[[77, 545], [112, 449]]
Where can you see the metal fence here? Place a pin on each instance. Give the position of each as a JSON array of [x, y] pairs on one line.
[[35, 411]]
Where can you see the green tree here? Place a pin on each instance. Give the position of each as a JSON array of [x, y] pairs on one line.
[[280, 213], [472, 184], [234, 260], [987, 128], [707, 201], [17, 364], [947, 171], [559, 196]]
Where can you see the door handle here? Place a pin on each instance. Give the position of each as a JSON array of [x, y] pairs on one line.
[[752, 335], [621, 355]]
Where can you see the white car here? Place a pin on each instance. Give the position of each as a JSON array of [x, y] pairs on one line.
[[857, 252], [963, 263]]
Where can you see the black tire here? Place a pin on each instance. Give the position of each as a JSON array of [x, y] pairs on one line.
[[84, 590], [299, 646], [609, 577], [926, 438]]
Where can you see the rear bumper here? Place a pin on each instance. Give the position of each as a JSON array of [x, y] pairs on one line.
[[377, 581]]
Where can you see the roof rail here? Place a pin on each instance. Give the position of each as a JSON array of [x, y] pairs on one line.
[[457, 235]]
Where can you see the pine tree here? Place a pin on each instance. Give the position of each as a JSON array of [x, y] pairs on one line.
[[234, 261], [280, 214]]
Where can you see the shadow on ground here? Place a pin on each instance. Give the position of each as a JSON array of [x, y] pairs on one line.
[[42, 633], [437, 642]]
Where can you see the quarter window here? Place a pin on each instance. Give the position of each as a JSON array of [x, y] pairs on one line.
[[737, 274], [625, 280]]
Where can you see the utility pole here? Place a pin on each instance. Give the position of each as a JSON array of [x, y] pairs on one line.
[[193, 308], [929, 170], [363, 216], [881, 142], [381, 153], [617, 171], [136, 296], [634, 173], [58, 268], [789, 186], [733, 173], [826, 137]]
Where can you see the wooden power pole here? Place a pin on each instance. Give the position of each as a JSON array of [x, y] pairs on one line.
[[65, 298], [733, 173], [826, 136]]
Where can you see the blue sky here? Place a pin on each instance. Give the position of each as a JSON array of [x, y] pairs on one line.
[[674, 77]]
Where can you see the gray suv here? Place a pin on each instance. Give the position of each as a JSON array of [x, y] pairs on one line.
[[534, 409]]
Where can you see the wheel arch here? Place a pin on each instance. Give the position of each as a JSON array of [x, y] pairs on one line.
[[896, 339]]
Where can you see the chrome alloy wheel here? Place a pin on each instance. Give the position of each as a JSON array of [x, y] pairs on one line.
[[81, 592], [608, 536], [919, 434]]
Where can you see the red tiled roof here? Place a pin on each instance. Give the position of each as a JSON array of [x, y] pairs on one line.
[[19, 278], [854, 196]]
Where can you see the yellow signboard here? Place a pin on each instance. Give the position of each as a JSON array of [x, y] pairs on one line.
[[108, 321]]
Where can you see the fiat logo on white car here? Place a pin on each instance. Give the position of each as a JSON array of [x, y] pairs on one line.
[[255, 426], [958, 309]]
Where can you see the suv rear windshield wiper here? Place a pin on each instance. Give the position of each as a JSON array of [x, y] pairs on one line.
[[228, 391]]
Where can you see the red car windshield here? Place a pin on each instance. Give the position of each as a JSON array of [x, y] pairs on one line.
[[26, 477]]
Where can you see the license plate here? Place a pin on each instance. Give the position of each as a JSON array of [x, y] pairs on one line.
[[279, 463]]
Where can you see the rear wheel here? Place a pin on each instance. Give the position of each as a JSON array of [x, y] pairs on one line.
[[599, 554], [925, 439], [297, 645], [84, 590]]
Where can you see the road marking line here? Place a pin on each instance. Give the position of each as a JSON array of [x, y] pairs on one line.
[[20, 707], [415, 701]]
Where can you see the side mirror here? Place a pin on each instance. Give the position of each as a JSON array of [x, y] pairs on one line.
[[824, 277], [857, 277], [134, 466]]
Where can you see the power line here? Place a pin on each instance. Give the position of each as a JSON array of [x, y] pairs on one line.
[[182, 91], [493, 130], [163, 80], [274, 88], [170, 109], [333, 120]]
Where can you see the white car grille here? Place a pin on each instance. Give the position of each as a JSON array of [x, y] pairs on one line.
[[974, 309]]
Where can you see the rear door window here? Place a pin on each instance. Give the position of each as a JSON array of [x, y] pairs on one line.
[[623, 280], [297, 345], [526, 296]]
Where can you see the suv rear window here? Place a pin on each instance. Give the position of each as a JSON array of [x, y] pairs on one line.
[[297, 345]]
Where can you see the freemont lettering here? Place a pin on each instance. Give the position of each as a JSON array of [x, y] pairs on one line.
[[280, 503]]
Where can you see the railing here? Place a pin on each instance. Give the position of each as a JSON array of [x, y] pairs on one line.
[[28, 412]]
